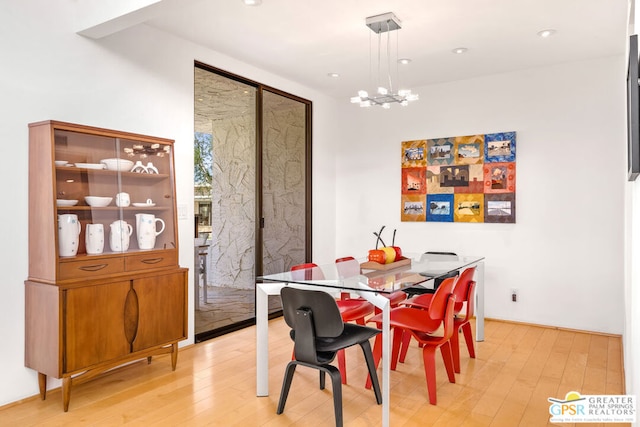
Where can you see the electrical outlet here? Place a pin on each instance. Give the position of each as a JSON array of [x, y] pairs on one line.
[[514, 295]]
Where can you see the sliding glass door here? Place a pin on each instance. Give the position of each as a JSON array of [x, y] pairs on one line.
[[252, 193], [284, 184]]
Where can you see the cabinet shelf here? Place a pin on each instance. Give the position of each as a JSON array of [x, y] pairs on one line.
[[98, 172], [110, 208]]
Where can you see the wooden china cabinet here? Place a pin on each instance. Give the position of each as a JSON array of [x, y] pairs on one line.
[[88, 313]]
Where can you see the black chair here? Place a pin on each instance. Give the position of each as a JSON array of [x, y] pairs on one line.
[[319, 333], [419, 290]]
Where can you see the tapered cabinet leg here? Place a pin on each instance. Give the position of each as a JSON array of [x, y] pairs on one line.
[[42, 384], [174, 356], [66, 392]]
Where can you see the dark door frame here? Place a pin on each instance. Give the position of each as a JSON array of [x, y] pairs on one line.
[[259, 176]]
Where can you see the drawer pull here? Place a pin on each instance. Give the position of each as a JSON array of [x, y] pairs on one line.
[[152, 260], [93, 267]]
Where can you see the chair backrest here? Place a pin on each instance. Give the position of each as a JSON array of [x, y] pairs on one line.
[[347, 266], [435, 255], [307, 271], [448, 315], [462, 287], [439, 301], [441, 256], [471, 304], [304, 266], [327, 320], [441, 253]]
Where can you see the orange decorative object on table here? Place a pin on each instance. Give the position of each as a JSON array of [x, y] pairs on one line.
[[377, 255]]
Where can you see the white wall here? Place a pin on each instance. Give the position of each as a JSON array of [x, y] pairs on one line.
[[139, 80], [564, 254]]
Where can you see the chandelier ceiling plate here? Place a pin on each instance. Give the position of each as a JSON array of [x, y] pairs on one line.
[[383, 23]]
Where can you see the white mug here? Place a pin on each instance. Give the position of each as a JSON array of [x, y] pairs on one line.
[[119, 236], [68, 234], [94, 238], [146, 230], [123, 200]]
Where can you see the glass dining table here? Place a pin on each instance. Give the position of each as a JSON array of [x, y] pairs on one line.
[[415, 270]]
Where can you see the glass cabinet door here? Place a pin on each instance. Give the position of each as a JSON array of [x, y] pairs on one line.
[[119, 191]]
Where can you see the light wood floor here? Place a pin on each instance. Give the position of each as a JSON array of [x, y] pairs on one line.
[[517, 368]]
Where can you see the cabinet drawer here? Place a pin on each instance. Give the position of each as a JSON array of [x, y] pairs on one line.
[[151, 260], [90, 268]]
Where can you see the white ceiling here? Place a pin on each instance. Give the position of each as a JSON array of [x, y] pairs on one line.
[[304, 40]]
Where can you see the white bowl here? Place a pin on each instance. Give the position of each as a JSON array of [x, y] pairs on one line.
[[60, 162], [121, 165], [98, 202], [65, 202], [90, 165]]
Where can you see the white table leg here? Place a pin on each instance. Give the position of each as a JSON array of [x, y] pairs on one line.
[[383, 304], [479, 277], [263, 290]]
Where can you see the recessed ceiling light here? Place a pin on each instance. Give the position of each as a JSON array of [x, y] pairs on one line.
[[334, 75], [404, 61], [459, 50], [252, 2], [546, 33]]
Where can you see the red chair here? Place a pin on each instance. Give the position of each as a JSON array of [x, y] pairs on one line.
[[463, 295], [348, 267], [421, 324], [351, 310], [464, 324]]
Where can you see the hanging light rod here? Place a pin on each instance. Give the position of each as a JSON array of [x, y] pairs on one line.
[[385, 95]]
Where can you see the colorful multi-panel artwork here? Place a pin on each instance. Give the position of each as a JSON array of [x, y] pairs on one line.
[[460, 179]]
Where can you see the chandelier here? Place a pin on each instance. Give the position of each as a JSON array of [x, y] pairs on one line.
[[385, 94]]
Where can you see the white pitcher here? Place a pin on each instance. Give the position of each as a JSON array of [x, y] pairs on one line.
[[68, 234], [147, 230], [94, 238], [119, 236]]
